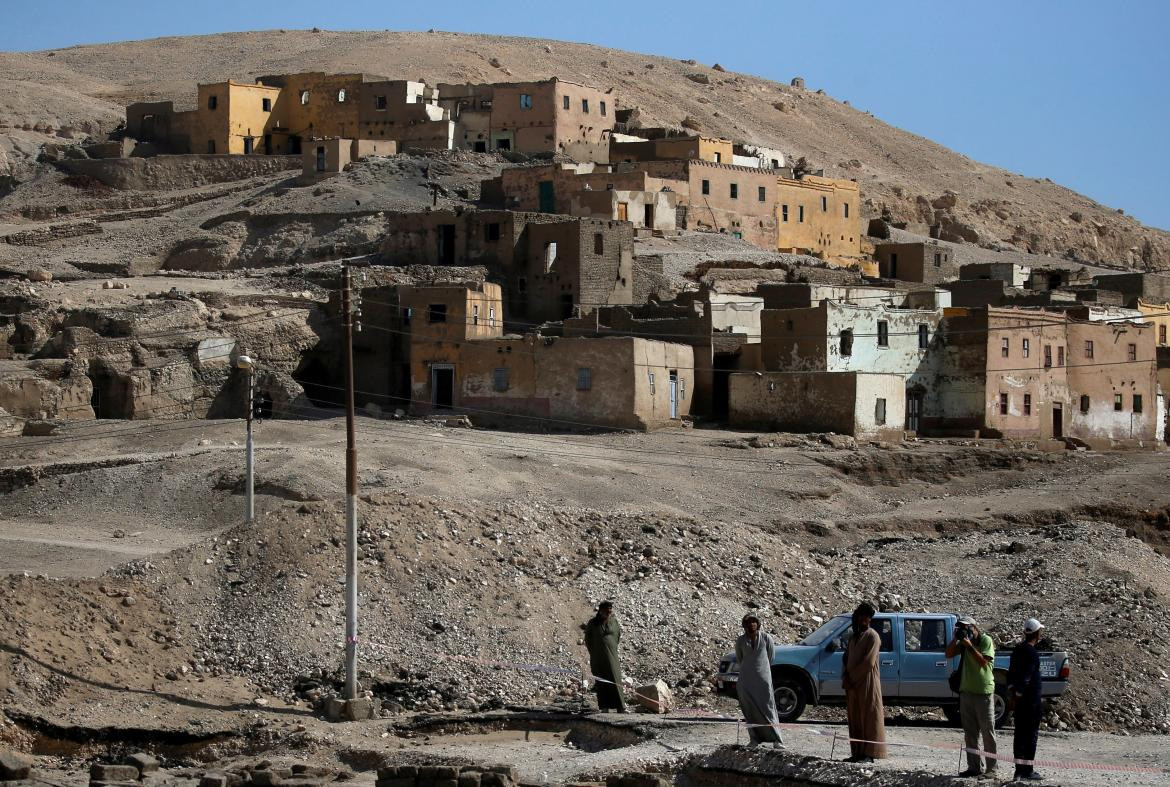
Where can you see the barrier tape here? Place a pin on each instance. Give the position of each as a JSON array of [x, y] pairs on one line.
[[707, 717]]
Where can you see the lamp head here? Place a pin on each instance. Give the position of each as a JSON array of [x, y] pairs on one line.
[[244, 362]]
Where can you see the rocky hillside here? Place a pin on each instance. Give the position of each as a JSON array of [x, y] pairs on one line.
[[80, 90]]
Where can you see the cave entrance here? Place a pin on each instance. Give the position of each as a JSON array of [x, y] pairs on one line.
[[109, 395], [320, 385]]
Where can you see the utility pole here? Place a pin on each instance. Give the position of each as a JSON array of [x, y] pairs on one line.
[[245, 362], [351, 640]]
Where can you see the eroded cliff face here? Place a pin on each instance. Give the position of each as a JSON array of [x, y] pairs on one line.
[[171, 356]]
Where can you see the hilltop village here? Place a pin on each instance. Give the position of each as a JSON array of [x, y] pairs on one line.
[[540, 305]]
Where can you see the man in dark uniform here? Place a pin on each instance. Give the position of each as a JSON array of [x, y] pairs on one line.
[[1023, 682]]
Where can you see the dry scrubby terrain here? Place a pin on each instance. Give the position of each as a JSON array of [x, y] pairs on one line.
[[80, 90], [485, 547]]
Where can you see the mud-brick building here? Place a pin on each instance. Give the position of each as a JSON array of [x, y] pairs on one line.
[[1032, 374], [550, 267], [920, 263], [461, 362], [723, 330], [276, 114], [854, 338], [858, 404], [550, 116], [674, 148], [812, 214]]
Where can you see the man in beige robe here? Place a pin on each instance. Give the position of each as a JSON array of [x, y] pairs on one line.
[[862, 680]]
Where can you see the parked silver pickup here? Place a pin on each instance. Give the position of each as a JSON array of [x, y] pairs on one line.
[[913, 664]]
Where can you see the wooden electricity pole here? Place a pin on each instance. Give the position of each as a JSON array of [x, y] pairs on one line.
[[351, 596]]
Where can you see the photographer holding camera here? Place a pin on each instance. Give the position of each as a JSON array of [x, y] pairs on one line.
[[976, 691]]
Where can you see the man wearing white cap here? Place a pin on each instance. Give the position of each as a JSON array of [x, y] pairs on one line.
[[976, 692], [1024, 686]]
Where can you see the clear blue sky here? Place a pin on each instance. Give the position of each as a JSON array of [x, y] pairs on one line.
[[1067, 89]]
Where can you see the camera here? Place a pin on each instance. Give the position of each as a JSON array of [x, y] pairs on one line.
[[962, 632]]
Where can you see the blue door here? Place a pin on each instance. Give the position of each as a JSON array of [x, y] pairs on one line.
[[925, 666]]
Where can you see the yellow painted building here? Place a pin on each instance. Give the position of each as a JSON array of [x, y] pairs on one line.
[[819, 215], [1159, 315]]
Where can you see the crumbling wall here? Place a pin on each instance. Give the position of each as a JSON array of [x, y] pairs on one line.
[[175, 173]]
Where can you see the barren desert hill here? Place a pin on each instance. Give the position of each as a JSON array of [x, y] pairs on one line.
[[83, 88]]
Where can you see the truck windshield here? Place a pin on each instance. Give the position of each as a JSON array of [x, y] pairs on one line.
[[822, 635]]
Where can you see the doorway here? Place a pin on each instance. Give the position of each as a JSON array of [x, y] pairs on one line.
[[1057, 421], [546, 196], [294, 145], [623, 211], [913, 411], [249, 145], [267, 144], [446, 241], [442, 386], [723, 366], [648, 217], [673, 394]]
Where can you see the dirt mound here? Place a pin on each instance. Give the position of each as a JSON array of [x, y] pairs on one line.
[[894, 467]]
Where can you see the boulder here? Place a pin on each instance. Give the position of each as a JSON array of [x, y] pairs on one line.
[[13, 767], [655, 697], [39, 274], [701, 79]]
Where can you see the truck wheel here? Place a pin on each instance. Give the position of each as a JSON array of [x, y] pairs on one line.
[[999, 708], [951, 712], [790, 699]]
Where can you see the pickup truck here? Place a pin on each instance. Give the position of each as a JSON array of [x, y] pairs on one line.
[[913, 664]]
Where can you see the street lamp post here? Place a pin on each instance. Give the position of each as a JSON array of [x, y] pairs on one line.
[[244, 362]]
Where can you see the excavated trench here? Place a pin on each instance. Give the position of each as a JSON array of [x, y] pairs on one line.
[[48, 738], [586, 734]]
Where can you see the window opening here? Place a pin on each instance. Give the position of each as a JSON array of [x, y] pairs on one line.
[[883, 333], [1027, 404], [550, 256], [525, 101], [923, 337], [1003, 404], [1137, 403], [500, 379], [584, 379], [1117, 402], [437, 312], [846, 342], [879, 412], [266, 104], [1084, 403], [212, 102], [379, 103]]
